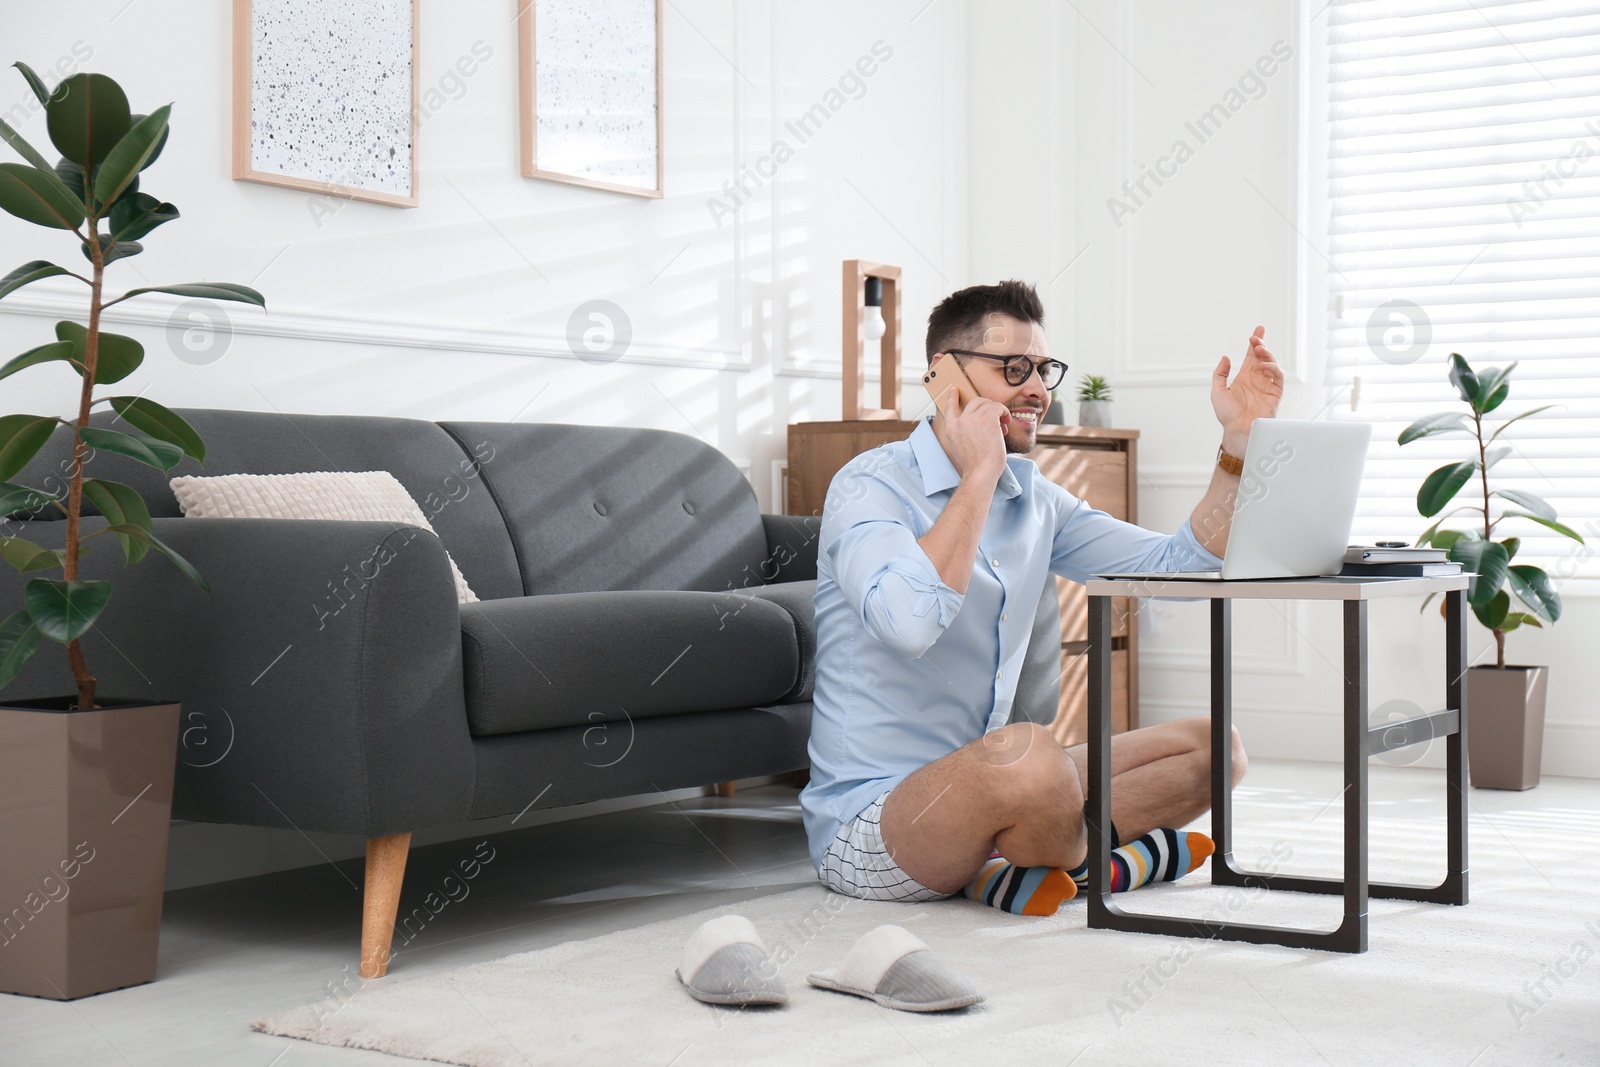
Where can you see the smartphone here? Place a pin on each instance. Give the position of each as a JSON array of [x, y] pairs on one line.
[[946, 373]]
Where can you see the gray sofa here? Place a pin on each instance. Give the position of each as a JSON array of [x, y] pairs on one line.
[[642, 627]]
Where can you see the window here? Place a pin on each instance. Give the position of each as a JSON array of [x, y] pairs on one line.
[[1455, 207]]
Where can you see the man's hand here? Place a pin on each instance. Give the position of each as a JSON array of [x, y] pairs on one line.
[[1254, 394], [975, 437]]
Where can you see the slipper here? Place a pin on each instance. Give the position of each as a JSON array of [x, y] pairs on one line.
[[895, 968], [726, 963]]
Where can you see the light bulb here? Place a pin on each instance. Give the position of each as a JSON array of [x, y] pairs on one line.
[[872, 323]]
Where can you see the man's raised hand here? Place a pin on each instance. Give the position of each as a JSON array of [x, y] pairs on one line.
[[1254, 394], [976, 435]]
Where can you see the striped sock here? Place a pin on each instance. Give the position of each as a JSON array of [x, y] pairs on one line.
[[1161, 855], [1021, 890]]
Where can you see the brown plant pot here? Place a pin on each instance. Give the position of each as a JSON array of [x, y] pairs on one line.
[[85, 807], [1505, 725]]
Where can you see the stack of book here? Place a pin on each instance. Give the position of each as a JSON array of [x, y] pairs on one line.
[[1370, 561]]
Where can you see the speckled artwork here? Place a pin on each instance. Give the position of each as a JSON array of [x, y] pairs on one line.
[[331, 92], [595, 90]]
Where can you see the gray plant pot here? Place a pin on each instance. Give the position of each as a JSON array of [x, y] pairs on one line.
[[1055, 414], [1095, 413], [1505, 725]]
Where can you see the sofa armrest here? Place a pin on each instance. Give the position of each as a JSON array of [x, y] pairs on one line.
[[321, 680], [791, 548]]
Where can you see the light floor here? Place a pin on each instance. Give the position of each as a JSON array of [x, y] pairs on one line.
[[235, 951]]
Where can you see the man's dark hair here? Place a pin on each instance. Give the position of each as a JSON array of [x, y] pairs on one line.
[[958, 321]]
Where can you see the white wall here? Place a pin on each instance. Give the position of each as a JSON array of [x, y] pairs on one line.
[[459, 308], [1070, 101]]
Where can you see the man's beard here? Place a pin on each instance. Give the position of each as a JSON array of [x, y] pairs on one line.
[[1020, 439]]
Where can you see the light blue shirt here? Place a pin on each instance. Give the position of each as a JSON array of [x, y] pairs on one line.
[[883, 708]]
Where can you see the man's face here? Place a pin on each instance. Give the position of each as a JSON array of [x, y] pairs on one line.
[[1005, 336]]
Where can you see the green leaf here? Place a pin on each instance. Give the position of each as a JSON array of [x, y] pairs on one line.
[[22, 147], [1565, 531], [1493, 614], [19, 640], [1511, 544], [1429, 425], [130, 155], [206, 291], [1428, 600], [15, 498], [35, 82], [161, 423], [21, 437], [111, 250], [1444, 538], [160, 144], [134, 216], [87, 116], [72, 176], [33, 271], [1533, 588], [118, 357], [146, 450], [1536, 504], [1488, 560], [1491, 381], [122, 508], [50, 353], [183, 565], [1462, 377], [1525, 414], [1495, 455], [39, 197], [1520, 618], [27, 556], [64, 611], [1442, 485], [1493, 398]]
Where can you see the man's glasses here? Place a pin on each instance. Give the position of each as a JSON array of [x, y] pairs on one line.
[[1019, 367]]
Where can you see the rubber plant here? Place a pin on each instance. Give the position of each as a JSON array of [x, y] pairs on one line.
[[1476, 548], [93, 193]]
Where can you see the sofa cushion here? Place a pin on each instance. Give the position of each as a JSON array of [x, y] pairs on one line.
[[371, 496], [598, 507], [442, 472], [564, 659], [798, 599]]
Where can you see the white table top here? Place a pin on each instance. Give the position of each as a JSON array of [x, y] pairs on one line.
[[1327, 588]]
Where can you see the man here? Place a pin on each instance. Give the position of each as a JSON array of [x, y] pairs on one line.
[[932, 556]]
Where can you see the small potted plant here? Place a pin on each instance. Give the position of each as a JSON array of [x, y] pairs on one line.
[[1094, 401], [87, 879], [1505, 702]]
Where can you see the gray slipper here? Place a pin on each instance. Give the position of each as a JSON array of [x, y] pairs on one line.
[[895, 968], [726, 963]]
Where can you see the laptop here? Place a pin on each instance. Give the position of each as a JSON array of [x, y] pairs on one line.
[[1296, 502]]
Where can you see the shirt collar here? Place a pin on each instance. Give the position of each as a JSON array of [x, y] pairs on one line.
[[938, 473]]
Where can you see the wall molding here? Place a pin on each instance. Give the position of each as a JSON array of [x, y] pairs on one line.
[[1174, 476], [1289, 660], [44, 300]]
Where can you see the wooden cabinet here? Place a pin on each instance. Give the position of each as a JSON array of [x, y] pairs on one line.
[[1097, 466]]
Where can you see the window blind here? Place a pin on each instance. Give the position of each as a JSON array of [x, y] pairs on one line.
[[1462, 178]]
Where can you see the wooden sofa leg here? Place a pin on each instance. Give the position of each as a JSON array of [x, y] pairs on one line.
[[725, 789], [380, 900]]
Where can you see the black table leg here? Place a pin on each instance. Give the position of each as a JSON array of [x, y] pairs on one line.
[[1454, 886]]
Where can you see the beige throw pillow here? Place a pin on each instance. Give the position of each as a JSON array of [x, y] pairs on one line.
[[371, 495]]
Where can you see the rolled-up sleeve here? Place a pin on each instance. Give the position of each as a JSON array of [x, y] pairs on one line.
[[891, 585], [1090, 541]]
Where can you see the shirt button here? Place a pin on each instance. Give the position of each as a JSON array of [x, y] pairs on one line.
[[1000, 674], [995, 562], [1004, 616]]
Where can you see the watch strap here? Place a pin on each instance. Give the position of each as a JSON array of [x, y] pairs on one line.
[[1230, 463]]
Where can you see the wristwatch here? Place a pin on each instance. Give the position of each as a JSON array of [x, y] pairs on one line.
[[1230, 463]]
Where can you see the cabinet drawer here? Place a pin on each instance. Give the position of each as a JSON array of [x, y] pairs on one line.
[[1072, 721]]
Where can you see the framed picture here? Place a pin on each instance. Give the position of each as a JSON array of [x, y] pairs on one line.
[[324, 97], [591, 93]]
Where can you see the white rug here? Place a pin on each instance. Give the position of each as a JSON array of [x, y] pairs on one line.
[[1512, 978]]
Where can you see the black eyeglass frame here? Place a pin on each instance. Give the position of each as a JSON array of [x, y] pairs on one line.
[[1010, 361]]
